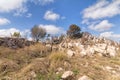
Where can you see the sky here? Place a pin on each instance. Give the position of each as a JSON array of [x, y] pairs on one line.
[[98, 17]]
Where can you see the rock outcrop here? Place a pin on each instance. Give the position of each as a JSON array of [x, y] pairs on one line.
[[15, 42], [89, 45]]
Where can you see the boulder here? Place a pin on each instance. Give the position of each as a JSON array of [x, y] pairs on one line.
[[49, 47], [70, 53], [83, 53], [84, 78], [67, 75], [111, 51]]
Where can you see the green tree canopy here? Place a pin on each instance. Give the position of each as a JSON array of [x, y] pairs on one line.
[[74, 31], [16, 34]]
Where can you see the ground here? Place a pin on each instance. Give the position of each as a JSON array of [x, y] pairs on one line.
[[37, 63]]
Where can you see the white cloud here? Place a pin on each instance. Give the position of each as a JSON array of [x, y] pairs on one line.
[[10, 31], [4, 21], [29, 15], [52, 29], [25, 33], [7, 32], [43, 2], [110, 35], [102, 9], [102, 26], [11, 5], [19, 7], [85, 21], [20, 11], [50, 15]]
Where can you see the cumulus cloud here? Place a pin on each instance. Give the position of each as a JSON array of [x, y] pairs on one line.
[[110, 35], [25, 33], [102, 9], [19, 7], [11, 5], [4, 21], [7, 32], [102, 26], [85, 21], [43, 2], [50, 15], [98, 12], [52, 29], [10, 31]]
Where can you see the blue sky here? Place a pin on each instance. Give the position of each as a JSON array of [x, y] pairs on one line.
[[99, 17]]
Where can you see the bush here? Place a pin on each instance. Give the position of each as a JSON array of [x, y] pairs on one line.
[[16, 34], [74, 31]]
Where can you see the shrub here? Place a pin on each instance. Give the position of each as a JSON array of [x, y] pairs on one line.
[[16, 34], [74, 31]]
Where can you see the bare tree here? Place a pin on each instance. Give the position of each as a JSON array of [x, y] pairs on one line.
[[38, 33]]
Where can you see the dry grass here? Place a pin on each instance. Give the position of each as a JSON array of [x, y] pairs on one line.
[[57, 56], [22, 63]]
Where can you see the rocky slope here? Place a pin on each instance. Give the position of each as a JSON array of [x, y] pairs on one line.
[[89, 45], [15, 43], [88, 58]]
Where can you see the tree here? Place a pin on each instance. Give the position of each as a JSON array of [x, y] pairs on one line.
[[38, 33], [74, 31], [16, 34]]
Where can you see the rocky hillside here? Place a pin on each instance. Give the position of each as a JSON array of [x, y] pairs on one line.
[[15, 43], [88, 45], [87, 58]]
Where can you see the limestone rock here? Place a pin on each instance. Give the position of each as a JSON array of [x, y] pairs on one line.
[[67, 75], [84, 78], [70, 53]]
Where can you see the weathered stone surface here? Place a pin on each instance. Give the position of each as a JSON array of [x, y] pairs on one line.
[[84, 78], [67, 75], [15, 42], [89, 45], [70, 53]]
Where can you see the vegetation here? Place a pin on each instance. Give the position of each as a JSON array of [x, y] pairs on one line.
[[38, 33], [37, 62], [16, 34], [29, 63], [74, 31]]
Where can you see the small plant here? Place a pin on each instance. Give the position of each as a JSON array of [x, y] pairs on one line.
[[58, 77], [76, 71], [16, 34], [40, 77]]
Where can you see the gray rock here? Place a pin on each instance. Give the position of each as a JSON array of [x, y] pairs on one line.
[[84, 78], [15, 42], [67, 75]]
